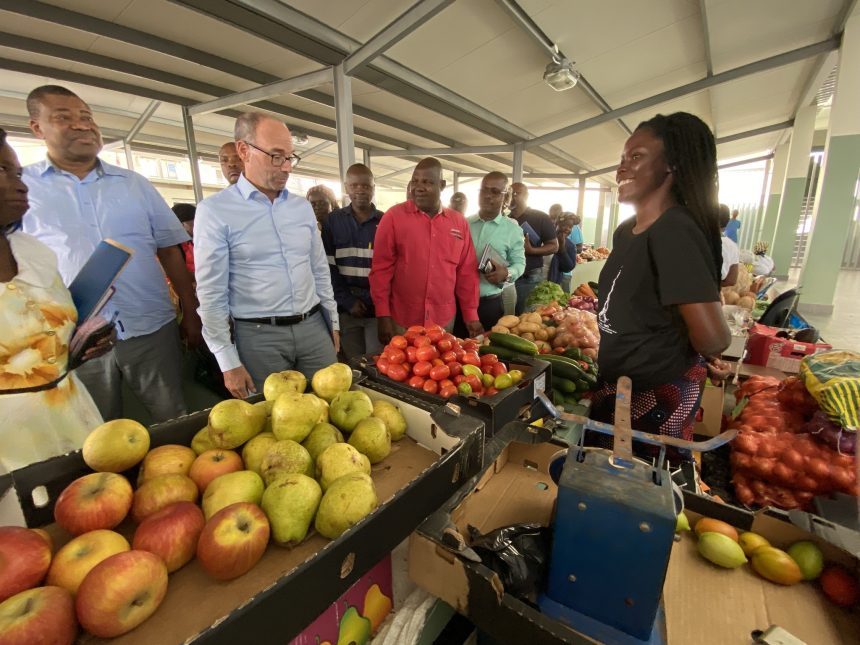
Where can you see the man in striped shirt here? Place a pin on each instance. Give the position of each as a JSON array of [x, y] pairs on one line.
[[348, 235]]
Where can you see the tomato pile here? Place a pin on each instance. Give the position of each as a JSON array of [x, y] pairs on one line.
[[774, 462], [432, 360]]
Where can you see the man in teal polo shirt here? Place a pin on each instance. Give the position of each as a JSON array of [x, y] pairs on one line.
[[505, 237]]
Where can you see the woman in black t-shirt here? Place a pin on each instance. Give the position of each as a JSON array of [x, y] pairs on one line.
[[660, 317]]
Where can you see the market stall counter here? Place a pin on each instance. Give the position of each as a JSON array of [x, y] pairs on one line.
[[289, 587]]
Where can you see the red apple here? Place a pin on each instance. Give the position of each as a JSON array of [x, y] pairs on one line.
[[96, 501], [233, 540], [78, 557], [40, 616], [171, 459], [171, 533], [24, 560], [45, 536], [212, 464], [164, 490], [121, 592]]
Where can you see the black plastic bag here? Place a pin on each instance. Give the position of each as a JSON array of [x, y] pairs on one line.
[[517, 553]]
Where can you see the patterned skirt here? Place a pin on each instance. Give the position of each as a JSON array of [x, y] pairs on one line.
[[668, 409]]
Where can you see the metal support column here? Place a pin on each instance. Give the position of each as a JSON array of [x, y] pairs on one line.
[[518, 163], [343, 117], [129, 160], [365, 156], [191, 142], [759, 221], [580, 199], [456, 181], [598, 227]]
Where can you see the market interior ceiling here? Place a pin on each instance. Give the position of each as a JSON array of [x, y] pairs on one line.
[[432, 74]]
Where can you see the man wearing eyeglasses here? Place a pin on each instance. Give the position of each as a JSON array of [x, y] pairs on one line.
[[508, 258], [260, 261]]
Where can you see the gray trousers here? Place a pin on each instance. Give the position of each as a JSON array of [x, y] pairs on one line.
[[151, 365], [358, 336], [306, 346]]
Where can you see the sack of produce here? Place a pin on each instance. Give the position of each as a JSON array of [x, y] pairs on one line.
[[833, 379]]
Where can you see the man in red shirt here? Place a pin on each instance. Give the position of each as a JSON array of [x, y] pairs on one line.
[[424, 262]]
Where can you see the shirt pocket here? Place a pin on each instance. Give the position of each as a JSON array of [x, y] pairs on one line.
[[125, 218]]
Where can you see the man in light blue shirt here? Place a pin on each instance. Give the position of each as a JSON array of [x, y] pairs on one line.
[[77, 200], [505, 237], [260, 260]]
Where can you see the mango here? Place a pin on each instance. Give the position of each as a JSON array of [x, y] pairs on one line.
[[776, 565], [682, 523], [708, 525], [750, 541], [809, 558], [721, 550]]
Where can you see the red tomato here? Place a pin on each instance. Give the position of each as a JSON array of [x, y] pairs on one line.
[[489, 359], [487, 369], [396, 356], [382, 365], [427, 352], [451, 337], [440, 372], [475, 382], [839, 586], [412, 354], [422, 368], [421, 341], [411, 335], [416, 381], [455, 367], [434, 327], [397, 372], [470, 345], [445, 345], [399, 342], [417, 328], [460, 378], [431, 386], [435, 335], [490, 391], [499, 368], [445, 382], [447, 356], [471, 358], [448, 391]]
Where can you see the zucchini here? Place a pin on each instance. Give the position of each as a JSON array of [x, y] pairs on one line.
[[503, 353], [587, 359], [573, 352], [564, 367], [582, 385], [515, 343], [557, 398], [563, 385], [571, 399]]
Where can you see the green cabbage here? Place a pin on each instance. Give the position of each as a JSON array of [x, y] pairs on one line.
[[545, 293]]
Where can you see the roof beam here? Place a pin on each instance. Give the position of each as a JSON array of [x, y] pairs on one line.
[[786, 58], [775, 127], [526, 24], [138, 125], [442, 152], [744, 162], [411, 19], [263, 92]]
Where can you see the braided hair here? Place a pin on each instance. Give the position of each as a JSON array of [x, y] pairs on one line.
[[691, 153]]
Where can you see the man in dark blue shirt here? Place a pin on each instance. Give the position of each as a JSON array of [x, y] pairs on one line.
[[348, 235]]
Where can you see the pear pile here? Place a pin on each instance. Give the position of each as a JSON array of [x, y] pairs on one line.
[[307, 456]]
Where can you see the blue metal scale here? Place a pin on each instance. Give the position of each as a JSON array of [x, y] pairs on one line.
[[613, 531]]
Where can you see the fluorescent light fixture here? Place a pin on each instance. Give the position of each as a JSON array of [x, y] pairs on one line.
[[300, 139], [560, 75]]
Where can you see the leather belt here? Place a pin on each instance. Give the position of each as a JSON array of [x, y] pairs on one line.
[[282, 321]]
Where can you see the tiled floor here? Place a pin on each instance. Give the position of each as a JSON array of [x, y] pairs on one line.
[[842, 328]]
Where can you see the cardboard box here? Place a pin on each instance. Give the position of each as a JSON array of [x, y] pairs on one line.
[[289, 588], [711, 408], [784, 354], [704, 604]]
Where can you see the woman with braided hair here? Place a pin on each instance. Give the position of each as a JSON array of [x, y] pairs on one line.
[[660, 318]]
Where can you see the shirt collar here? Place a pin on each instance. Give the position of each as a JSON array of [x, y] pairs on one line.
[[375, 213], [247, 189], [443, 211], [101, 169], [496, 220]]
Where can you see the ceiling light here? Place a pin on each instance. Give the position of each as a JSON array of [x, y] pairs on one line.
[[560, 75], [300, 138]]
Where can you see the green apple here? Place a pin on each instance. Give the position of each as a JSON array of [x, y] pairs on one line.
[[330, 381], [267, 406], [278, 383], [393, 418], [321, 437], [233, 422], [370, 437], [349, 499], [290, 503], [254, 451], [339, 460], [294, 415], [285, 456], [241, 486], [201, 441], [348, 408]]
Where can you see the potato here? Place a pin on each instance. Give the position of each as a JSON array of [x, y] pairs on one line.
[[508, 321], [551, 332], [731, 297], [530, 327], [541, 334], [528, 336], [746, 302], [531, 317], [500, 329]]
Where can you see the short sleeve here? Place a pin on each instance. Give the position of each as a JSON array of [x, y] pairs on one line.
[[166, 227], [545, 228], [683, 260]]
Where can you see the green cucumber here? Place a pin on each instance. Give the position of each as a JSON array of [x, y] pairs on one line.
[[517, 344], [503, 353], [557, 398], [564, 367], [573, 352], [563, 385]]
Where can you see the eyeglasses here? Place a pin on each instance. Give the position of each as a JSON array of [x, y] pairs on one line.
[[492, 191], [277, 159]]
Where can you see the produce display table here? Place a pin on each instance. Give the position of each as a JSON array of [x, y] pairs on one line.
[[586, 272]]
